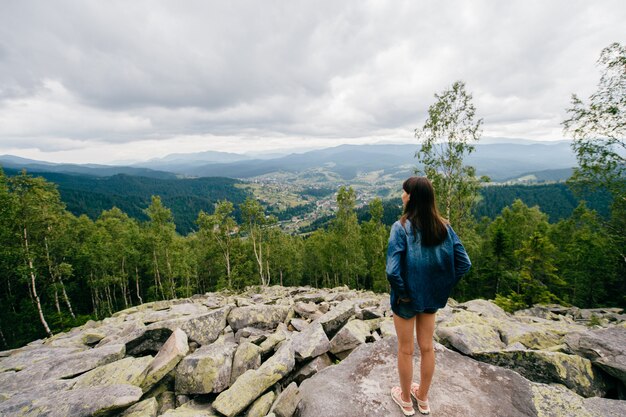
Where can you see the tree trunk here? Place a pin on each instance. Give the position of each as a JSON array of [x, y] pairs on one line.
[[124, 283], [4, 341], [157, 277], [227, 256], [170, 275], [137, 284], [34, 287], [66, 298], [281, 277], [56, 299]]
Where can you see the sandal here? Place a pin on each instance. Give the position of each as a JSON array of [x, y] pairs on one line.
[[396, 396], [422, 406]]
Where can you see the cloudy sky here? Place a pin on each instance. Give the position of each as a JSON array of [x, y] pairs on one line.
[[104, 81]]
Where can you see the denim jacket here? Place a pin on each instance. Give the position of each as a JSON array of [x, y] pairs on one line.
[[424, 274]]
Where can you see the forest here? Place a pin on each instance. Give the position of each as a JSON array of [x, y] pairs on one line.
[[58, 270]]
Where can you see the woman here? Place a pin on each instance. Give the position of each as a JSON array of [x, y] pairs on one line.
[[425, 259]]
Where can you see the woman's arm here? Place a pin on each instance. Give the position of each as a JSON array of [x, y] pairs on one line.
[[462, 263], [395, 249]]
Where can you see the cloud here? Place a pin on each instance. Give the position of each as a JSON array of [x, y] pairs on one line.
[[77, 74]]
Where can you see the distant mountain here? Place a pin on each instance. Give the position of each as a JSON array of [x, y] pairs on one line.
[[85, 194], [15, 162], [499, 161]]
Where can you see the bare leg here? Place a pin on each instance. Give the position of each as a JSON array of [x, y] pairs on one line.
[[404, 330], [424, 330]]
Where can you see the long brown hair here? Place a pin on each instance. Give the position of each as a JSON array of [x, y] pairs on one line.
[[421, 210]]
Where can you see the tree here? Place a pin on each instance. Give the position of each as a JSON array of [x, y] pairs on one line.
[[448, 135], [160, 233], [374, 237], [256, 225], [599, 132], [222, 227]]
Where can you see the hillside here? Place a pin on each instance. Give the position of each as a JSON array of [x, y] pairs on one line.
[[89, 195], [308, 352]]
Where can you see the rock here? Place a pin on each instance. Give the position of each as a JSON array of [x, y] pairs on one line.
[[274, 339], [260, 316], [532, 336], [192, 408], [92, 337], [145, 341], [84, 402], [551, 367], [387, 328], [206, 370], [167, 401], [145, 408], [337, 317], [254, 382], [205, 329], [125, 371], [350, 336], [247, 356], [363, 380], [311, 368], [604, 347], [262, 405], [287, 402], [485, 309], [18, 359], [309, 311], [470, 338], [311, 342], [174, 349], [251, 334], [299, 324]]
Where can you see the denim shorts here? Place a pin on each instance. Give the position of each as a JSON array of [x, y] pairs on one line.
[[405, 311]]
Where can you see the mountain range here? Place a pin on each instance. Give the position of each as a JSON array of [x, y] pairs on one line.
[[499, 161]]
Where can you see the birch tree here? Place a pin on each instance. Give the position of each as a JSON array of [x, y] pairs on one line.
[[447, 137]]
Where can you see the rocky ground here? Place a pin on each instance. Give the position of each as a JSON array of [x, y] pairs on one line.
[[304, 352]]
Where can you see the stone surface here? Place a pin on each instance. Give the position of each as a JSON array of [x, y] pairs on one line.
[[336, 317], [125, 371], [461, 387], [247, 356], [311, 368], [254, 382], [605, 348], [350, 336], [551, 367], [206, 370], [262, 405], [287, 402], [470, 338], [145, 408], [168, 357], [260, 316], [84, 402], [311, 342], [192, 408]]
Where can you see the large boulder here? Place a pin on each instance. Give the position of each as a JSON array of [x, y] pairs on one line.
[[125, 371], [461, 387], [262, 405], [470, 338], [249, 386], [84, 402], [206, 370], [311, 342], [174, 349], [260, 316], [336, 317], [287, 401], [350, 336], [247, 356], [574, 372], [604, 347]]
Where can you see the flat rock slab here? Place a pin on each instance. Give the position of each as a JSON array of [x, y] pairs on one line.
[[461, 387], [259, 316], [605, 347], [84, 402]]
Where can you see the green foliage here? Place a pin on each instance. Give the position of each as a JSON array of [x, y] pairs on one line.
[[511, 302], [448, 135]]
